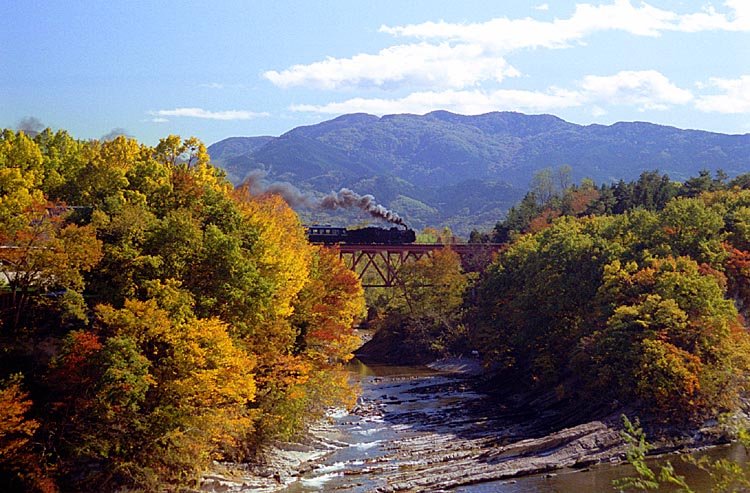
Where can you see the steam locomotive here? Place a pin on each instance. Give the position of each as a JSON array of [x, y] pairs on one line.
[[361, 236]]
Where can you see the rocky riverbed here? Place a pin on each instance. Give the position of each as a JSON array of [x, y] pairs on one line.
[[428, 432]]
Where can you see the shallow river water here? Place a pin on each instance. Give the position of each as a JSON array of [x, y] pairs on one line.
[[362, 457]]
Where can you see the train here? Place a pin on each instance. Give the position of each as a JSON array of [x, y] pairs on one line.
[[361, 236]]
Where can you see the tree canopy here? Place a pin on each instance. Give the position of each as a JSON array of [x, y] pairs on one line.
[[639, 297], [154, 318]]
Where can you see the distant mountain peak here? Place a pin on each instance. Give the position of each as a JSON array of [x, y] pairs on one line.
[[429, 165]]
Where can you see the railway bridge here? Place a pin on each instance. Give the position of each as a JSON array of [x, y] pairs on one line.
[[378, 266]]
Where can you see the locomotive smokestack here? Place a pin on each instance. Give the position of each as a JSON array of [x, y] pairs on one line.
[[343, 199]]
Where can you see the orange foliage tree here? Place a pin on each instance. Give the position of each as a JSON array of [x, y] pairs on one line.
[[22, 467], [162, 396], [325, 310]]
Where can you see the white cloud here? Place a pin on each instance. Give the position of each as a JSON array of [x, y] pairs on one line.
[[735, 97], [500, 35], [642, 20], [464, 55], [471, 102], [212, 85], [206, 114], [646, 89], [159, 119], [598, 111], [503, 34], [621, 16], [542, 7], [710, 20], [421, 64]]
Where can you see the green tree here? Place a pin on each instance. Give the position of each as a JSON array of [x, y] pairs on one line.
[[703, 183], [692, 227], [536, 301], [428, 304], [517, 219], [543, 186], [672, 339], [62, 161], [161, 397], [125, 264]]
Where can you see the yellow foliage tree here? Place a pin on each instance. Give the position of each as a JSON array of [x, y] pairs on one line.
[[434, 286], [40, 251], [199, 386], [282, 251]]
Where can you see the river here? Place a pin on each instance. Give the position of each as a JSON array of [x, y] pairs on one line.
[[407, 415]]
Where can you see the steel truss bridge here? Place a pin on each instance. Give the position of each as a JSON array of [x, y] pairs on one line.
[[378, 266]]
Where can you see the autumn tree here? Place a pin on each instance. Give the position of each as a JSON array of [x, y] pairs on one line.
[[324, 313], [326, 309], [21, 467], [62, 161], [692, 227], [423, 318], [19, 152], [190, 171], [161, 396], [632, 306], [672, 340], [41, 252], [540, 291], [281, 260], [186, 322]]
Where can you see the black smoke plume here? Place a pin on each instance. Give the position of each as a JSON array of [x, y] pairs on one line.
[[347, 199], [257, 184], [114, 133], [31, 126], [343, 199]]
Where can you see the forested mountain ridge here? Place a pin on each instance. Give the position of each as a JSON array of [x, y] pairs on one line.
[[432, 162]]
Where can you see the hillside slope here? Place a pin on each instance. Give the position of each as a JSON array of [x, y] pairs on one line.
[[443, 169]]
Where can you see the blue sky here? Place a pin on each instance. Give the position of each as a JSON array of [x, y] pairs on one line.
[[243, 68]]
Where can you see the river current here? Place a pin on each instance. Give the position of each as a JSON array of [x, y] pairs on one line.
[[396, 407]]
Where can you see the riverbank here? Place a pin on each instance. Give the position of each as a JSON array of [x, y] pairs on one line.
[[454, 435], [282, 464], [430, 431]]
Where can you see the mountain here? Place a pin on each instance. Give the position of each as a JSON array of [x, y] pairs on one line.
[[444, 169], [236, 146]]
